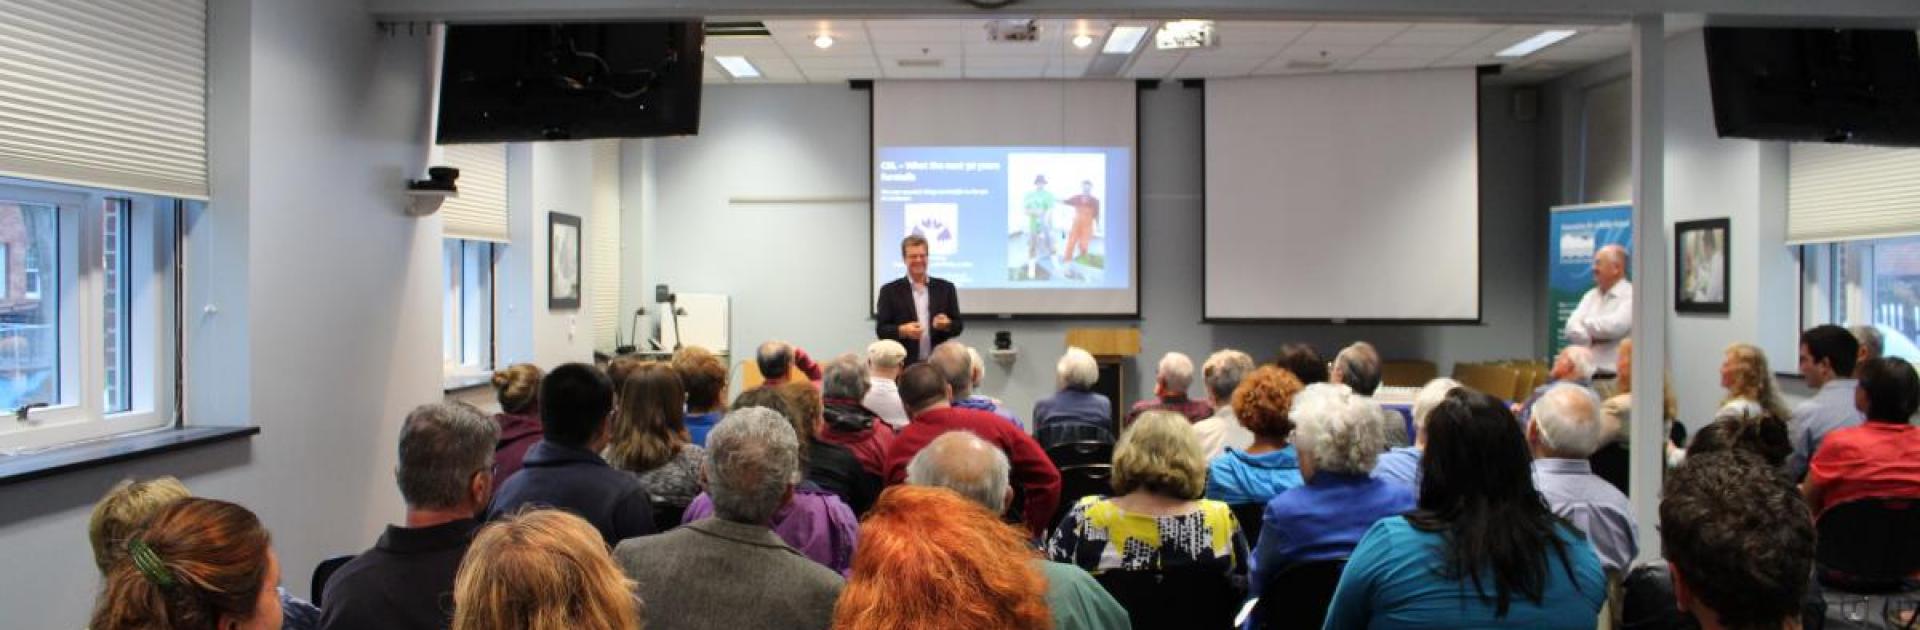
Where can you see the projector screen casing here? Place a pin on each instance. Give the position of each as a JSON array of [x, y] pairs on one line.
[[1005, 114], [1343, 198]]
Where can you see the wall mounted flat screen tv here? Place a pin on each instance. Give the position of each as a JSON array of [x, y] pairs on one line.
[[523, 82], [1816, 85]]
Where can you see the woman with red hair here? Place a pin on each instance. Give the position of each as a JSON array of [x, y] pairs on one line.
[[929, 558]]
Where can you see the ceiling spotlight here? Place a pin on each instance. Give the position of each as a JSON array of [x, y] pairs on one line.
[[823, 41], [1082, 40]]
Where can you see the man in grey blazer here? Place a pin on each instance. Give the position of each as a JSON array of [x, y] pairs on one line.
[[730, 571]]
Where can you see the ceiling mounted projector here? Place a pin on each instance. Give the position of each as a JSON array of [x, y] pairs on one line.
[[1013, 31], [1185, 34]]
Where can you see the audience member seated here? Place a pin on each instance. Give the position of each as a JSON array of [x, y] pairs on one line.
[[1170, 384], [1304, 362], [829, 466], [518, 390], [1157, 518], [1338, 441], [1881, 457], [1401, 464], [1574, 365], [1481, 550], [406, 579], [849, 422], [1222, 374], [955, 360], [1610, 462], [814, 520], [1270, 465], [542, 570], [885, 359], [1566, 429], [1076, 412], [1752, 393], [126, 508], [703, 377], [619, 369], [930, 558], [1357, 366], [1827, 356], [564, 470], [964, 463], [1738, 540], [980, 397], [195, 564], [729, 570], [926, 392], [1762, 435], [1872, 344], [650, 437], [777, 360]]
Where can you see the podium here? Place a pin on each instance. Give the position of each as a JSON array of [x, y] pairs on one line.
[[1109, 347]]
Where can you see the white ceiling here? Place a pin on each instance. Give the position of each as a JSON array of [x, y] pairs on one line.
[[874, 49]]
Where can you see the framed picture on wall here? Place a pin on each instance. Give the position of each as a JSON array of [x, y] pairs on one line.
[[563, 261], [1701, 276]]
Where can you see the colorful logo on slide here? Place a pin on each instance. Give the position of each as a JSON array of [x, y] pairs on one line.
[[939, 223]]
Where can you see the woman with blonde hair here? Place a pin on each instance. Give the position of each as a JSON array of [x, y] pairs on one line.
[[198, 564], [650, 436], [542, 570], [518, 389], [1157, 518], [1749, 384], [930, 558]]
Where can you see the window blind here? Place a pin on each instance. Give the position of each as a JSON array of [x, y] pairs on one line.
[[479, 213], [1846, 192], [108, 94], [603, 242]]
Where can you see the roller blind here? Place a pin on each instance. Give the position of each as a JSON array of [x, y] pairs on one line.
[[479, 213], [106, 93], [1844, 192], [603, 242]]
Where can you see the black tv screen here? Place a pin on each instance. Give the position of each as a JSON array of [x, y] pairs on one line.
[[519, 82], [1817, 85]]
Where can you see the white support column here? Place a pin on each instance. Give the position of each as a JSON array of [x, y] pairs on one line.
[[1647, 467]]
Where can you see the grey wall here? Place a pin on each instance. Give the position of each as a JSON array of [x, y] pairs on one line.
[[799, 271]]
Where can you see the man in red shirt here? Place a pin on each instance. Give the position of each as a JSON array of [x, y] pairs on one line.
[[927, 396], [1879, 458]]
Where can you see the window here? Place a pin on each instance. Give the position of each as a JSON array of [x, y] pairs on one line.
[[86, 313], [1874, 281], [467, 335]]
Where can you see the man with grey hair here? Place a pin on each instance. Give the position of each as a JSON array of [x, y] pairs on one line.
[[1358, 367], [1574, 365], [1170, 384], [730, 571], [1872, 343], [1566, 429], [1076, 412], [1222, 373], [1401, 464], [445, 474], [962, 462], [885, 358], [1605, 313], [776, 361], [955, 361], [849, 423]]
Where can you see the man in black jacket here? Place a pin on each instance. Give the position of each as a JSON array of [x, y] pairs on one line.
[[564, 469], [918, 311]]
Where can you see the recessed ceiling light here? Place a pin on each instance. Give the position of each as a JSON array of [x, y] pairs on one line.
[[1534, 44], [1082, 40], [823, 41], [737, 66], [1123, 39]]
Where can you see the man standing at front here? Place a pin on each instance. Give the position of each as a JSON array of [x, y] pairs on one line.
[[919, 311], [1605, 313]]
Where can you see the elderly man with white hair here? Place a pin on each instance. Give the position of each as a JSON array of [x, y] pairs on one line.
[[1358, 367], [1338, 440], [1574, 365], [1170, 384], [885, 358], [1566, 429], [961, 365], [962, 462], [1605, 313], [1222, 374], [1076, 412]]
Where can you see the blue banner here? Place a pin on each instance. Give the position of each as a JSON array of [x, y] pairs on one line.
[[1574, 233]]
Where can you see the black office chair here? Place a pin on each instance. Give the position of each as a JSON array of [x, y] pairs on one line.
[[1181, 597], [1061, 432], [1077, 482], [1080, 453], [1298, 595], [323, 572], [1869, 545], [1249, 515]]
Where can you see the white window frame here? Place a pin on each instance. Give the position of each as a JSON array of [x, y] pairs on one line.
[[80, 413], [1823, 280], [470, 323]]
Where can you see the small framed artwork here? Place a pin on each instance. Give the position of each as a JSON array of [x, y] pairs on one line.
[[1701, 276], [563, 261]]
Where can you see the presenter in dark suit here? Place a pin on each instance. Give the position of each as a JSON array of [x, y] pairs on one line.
[[918, 311]]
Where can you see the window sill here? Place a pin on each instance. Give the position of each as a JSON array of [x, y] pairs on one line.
[[460, 382], [26, 467]]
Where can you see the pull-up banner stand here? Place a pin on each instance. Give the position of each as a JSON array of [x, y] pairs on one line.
[[1574, 233]]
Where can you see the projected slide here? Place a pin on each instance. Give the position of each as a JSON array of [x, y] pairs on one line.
[[1009, 217]]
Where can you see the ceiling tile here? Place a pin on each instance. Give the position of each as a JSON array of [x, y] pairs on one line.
[[825, 63], [1036, 63], [1331, 52], [1362, 65], [1032, 72], [1350, 34], [1444, 34], [1409, 52], [1558, 53], [1620, 40], [744, 46], [917, 49], [920, 31], [984, 48], [1210, 67], [949, 71], [835, 75]]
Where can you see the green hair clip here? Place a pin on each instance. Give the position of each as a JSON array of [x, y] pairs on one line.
[[149, 563]]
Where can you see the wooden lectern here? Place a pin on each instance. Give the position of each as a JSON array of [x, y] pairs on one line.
[[1109, 346]]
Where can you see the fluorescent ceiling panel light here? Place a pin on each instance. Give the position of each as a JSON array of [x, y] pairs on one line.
[[737, 66], [1123, 39], [1534, 44]]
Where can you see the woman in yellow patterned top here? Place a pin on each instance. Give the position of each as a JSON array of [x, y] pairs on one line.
[[1157, 520]]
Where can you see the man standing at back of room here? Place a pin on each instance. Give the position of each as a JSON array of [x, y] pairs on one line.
[[919, 311], [1605, 313]]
